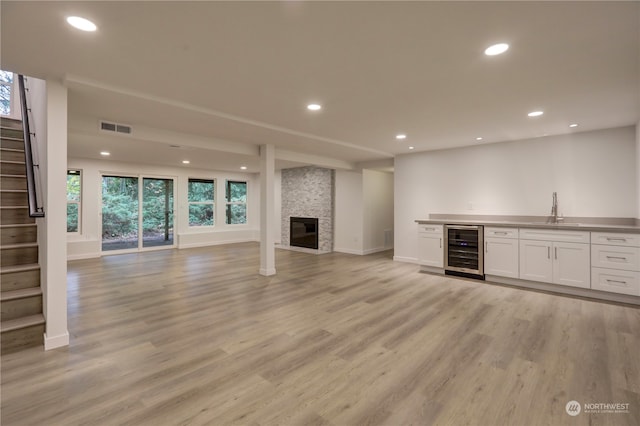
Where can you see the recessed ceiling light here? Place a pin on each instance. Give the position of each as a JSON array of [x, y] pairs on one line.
[[478, 138], [401, 136], [186, 161], [496, 49], [535, 114], [411, 147], [81, 23], [573, 125], [105, 153], [314, 107], [243, 167]]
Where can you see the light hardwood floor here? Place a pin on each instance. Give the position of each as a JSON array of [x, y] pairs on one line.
[[198, 337]]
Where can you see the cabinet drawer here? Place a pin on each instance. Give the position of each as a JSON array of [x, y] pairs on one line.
[[554, 235], [615, 239], [624, 282], [615, 257], [430, 229], [500, 232]]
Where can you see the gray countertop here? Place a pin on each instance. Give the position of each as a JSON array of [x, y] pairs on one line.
[[569, 225]]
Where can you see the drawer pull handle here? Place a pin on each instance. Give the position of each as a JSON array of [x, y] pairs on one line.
[[617, 281], [624, 240], [500, 233], [624, 259]]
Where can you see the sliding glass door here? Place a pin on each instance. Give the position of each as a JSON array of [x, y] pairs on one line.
[[157, 212], [131, 204], [119, 213]]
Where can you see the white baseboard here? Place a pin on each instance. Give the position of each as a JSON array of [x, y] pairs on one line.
[[348, 251], [83, 256], [56, 341], [405, 259], [376, 250], [216, 243]]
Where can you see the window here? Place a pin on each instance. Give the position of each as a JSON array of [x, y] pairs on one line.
[[201, 202], [74, 191], [236, 202], [6, 81]]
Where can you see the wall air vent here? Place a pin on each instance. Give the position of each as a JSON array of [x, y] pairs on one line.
[[107, 126]]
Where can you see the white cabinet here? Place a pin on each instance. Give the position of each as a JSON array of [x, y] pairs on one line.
[[551, 257], [615, 261], [615, 281], [571, 264], [430, 249], [501, 252], [535, 261]]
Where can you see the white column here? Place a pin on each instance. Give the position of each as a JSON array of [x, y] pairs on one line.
[[267, 211], [55, 292]]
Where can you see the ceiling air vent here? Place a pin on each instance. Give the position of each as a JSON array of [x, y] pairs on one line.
[[106, 126]]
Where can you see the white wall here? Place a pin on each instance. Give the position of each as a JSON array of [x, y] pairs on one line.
[[363, 211], [348, 221], [377, 191], [594, 174], [638, 170], [88, 242]]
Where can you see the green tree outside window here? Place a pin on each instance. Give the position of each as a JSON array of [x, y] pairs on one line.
[[201, 196], [236, 194], [73, 200]]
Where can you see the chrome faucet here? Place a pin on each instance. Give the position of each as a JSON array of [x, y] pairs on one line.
[[555, 218]]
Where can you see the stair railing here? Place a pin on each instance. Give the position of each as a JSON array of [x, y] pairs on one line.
[[36, 208]]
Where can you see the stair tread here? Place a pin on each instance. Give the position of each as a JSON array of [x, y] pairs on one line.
[[9, 138], [14, 207], [18, 323], [13, 176], [13, 190], [17, 225], [20, 293], [12, 149], [19, 268], [19, 245]]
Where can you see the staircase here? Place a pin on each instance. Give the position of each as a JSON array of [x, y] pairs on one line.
[[21, 320]]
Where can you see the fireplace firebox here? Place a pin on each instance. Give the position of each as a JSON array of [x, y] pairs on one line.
[[303, 232]]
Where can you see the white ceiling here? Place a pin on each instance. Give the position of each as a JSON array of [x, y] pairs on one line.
[[243, 72]]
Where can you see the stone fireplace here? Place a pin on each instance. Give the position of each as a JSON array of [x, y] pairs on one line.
[[308, 192]]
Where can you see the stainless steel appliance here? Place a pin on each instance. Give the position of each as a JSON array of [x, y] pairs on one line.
[[463, 253]]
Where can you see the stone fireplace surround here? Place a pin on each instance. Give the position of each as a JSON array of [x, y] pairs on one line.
[[309, 192]]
